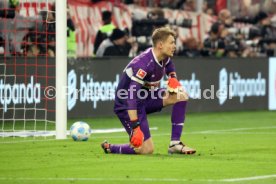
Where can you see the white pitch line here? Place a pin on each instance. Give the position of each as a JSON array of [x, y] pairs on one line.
[[142, 179], [250, 178], [236, 129], [167, 134], [102, 179], [222, 131], [31, 133], [226, 131], [24, 141], [114, 130]]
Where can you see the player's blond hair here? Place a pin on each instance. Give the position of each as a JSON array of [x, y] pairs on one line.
[[161, 34]]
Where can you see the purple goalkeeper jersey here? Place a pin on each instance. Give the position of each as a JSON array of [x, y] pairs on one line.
[[143, 72]]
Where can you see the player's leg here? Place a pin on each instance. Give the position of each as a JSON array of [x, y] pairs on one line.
[[179, 102], [147, 146], [117, 148], [161, 98]]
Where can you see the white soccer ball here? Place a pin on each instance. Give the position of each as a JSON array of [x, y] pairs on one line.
[[80, 131]]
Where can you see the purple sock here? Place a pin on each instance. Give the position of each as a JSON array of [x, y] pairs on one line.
[[121, 149], [177, 118]]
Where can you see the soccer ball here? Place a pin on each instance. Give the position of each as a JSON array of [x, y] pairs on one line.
[[80, 131]]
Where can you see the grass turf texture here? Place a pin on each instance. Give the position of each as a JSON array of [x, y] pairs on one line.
[[229, 145]]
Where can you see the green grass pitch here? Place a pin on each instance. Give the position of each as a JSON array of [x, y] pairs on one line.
[[232, 147]]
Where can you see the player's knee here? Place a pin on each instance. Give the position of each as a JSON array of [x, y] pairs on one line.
[[180, 97], [150, 150], [147, 151], [170, 100], [176, 98]]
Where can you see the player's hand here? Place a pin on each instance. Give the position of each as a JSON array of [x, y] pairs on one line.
[[136, 136], [173, 85]]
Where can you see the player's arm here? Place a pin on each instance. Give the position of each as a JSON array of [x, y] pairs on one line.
[[170, 69], [173, 85], [137, 136], [132, 100]]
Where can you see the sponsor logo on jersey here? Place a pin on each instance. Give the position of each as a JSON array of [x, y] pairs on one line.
[[141, 73]]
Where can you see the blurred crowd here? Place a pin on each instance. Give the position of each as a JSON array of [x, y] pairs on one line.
[[226, 38], [26, 36], [257, 40]]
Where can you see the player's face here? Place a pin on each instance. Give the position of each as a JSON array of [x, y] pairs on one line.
[[168, 46]]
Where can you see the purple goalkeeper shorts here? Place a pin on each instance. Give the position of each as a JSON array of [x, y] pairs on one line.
[[144, 107]]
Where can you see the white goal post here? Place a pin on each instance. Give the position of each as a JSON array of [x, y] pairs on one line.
[[61, 69]]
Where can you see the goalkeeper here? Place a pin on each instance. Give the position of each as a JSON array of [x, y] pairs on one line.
[[138, 94]]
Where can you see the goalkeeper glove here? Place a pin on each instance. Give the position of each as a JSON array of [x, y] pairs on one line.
[[136, 136], [173, 85]]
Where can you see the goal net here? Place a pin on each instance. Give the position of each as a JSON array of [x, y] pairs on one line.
[[27, 68]]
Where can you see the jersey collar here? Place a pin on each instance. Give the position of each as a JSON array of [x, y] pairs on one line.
[[154, 57]]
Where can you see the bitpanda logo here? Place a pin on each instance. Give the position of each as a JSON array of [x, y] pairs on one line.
[[231, 84], [19, 93], [89, 89]]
